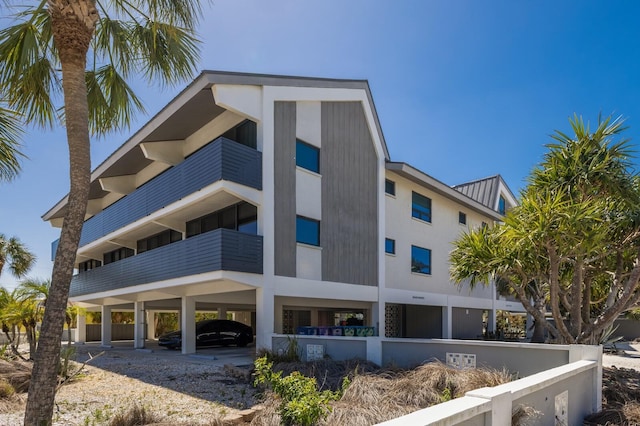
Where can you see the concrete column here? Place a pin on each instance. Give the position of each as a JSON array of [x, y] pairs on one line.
[[501, 404], [447, 326], [105, 326], [277, 317], [264, 317], [81, 329], [590, 353], [139, 326], [188, 324], [222, 312], [491, 321], [151, 324], [378, 318]]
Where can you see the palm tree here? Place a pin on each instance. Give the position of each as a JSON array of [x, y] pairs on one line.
[[31, 295], [46, 53], [10, 132], [16, 255]]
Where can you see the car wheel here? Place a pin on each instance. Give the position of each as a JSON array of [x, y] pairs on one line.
[[241, 342]]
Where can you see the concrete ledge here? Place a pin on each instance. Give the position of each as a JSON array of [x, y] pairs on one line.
[[450, 413]]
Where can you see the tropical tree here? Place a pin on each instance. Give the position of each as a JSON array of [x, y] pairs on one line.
[[10, 326], [575, 236], [32, 297], [10, 133], [16, 256], [45, 54]]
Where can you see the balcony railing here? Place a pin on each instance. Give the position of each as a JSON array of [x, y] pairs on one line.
[[222, 159], [219, 250]]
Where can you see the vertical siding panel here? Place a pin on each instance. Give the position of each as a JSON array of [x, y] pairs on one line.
[[349, 228], [285, 188]]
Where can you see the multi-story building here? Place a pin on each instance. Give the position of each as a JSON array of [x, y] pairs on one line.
[[275, 198]]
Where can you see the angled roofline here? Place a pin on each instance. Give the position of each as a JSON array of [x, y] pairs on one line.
[[499, 176], [208, 78], [421, 178]]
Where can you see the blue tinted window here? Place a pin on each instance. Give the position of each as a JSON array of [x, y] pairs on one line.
[[307, 231], [420, 260], [421, 207], [390, 187], [502, 205], [390, 246], [307, 156]]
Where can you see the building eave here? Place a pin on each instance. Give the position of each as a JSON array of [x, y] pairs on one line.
[[411, 173]]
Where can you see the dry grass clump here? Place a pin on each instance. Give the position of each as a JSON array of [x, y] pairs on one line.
[[328, 373], [16, 373], [631, 412], [376, 395], [135, 416]]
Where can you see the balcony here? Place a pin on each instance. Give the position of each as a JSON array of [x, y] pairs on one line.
[[219, 250], [222, 159]]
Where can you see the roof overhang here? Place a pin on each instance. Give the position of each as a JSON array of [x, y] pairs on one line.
[[189, 111], [423, 179]]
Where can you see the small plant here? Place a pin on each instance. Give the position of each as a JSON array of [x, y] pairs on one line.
[[302, 404], [290, 354], [66, 356], [6, 390]]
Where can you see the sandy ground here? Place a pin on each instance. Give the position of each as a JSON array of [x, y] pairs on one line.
[[182, 389], [628, 356]]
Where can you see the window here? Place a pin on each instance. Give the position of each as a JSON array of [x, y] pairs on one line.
[[390, 246], [462, 218], [241, 217], [389, 187], [118, 254], [158, 240], [89, 265], [420, 260], [307, 156], [307, 231], [502, 205], [421, 207]]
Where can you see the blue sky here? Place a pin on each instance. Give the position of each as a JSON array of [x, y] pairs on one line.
[[463, 89]]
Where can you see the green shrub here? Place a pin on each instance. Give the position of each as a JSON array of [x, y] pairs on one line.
[[302, 404]]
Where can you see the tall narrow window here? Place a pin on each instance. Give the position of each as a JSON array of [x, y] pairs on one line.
[[421, 207], [307, 231], [307, 156], [389, 187], [502, 205], [420, 260], [389, 246]]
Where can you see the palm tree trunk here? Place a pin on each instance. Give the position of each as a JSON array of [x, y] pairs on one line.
[[73, 23]]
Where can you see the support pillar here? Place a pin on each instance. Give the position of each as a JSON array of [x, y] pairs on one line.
[[188, 324], [105, 327], [447, 322], [265, 313], [139, 325], [151, 324], [222, 312], [81, 329]]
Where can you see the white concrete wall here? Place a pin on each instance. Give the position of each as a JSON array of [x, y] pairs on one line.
[[436, 236]]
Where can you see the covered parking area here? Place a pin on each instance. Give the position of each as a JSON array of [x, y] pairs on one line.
[[227, 294]]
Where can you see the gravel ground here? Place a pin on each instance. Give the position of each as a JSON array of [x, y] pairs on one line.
[[182, 389], [628, 356]]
